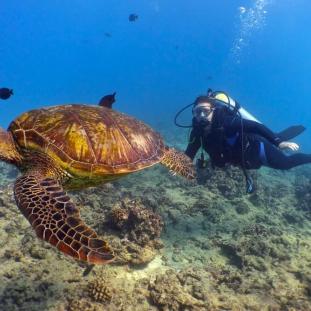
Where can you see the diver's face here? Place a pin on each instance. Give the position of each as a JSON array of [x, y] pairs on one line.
[[203, 113]]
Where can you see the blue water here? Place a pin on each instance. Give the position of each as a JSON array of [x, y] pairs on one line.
[[55, 52]]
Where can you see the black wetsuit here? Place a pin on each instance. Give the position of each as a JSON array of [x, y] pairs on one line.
[[223, 142]]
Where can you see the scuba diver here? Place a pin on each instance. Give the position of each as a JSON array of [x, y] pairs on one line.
[[231, 135]]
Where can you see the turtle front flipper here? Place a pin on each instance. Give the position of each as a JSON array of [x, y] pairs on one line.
[[56, 219], [178, 162]]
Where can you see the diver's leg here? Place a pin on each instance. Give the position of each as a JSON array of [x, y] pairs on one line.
[[276, 158]]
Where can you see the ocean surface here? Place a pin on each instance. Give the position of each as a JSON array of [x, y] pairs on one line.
[[258, 51]]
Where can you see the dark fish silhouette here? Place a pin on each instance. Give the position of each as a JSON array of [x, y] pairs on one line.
[[108, 34], [133, 17], [107, 100], [5, 93]]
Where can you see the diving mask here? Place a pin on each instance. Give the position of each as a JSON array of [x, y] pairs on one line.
[[203, 112]]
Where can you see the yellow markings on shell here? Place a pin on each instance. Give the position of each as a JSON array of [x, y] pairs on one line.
[[100, 137], [77, 139], [141, 141], [23, 117], [52, 120], [113, 146], [122, 152]]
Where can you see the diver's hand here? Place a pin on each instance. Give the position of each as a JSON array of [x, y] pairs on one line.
[[288, 145]]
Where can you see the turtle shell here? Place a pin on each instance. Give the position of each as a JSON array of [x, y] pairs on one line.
[[88, 140]]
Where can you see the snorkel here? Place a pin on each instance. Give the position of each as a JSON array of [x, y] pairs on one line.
[[179, 113]]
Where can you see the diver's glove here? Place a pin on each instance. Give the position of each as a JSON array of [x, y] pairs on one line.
[[288, 145]]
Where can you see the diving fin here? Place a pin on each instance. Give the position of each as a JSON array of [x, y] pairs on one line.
[[291, 132]]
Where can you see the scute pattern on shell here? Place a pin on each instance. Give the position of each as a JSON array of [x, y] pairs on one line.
[[89, 138]]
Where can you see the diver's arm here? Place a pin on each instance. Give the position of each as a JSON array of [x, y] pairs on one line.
[[250, 126], [193, 145], [262, 130]]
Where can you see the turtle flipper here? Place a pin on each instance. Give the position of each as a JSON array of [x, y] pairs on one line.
[[56, 219], [178, 162]]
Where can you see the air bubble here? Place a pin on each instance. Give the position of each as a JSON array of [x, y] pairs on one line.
[[251, 19]]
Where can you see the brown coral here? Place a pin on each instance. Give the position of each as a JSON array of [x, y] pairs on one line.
[[136, 222], [303, 194], [168, 293], [99, 291], [131, 253], [81, 305], [119, 217], [228, 181]]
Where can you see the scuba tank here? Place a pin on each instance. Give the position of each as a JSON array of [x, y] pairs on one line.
[[226, 100], [223, 99]]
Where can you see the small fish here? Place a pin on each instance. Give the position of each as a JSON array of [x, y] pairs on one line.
[[107, 100], [133, 17], [108, 34], [5, 93]]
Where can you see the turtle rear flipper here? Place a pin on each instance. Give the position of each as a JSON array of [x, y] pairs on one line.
[[178, 162], [56, 219]]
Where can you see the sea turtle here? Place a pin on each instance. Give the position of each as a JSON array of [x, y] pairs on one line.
[[73, 147]]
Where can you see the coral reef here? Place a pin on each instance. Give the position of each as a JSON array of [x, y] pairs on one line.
[[139, 229], [228, 182], [169, 293], [223, 250], [82, 305], [255, 249], [8, 173], [303, 194], [137, 223], [131, 253], [100, 291]]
